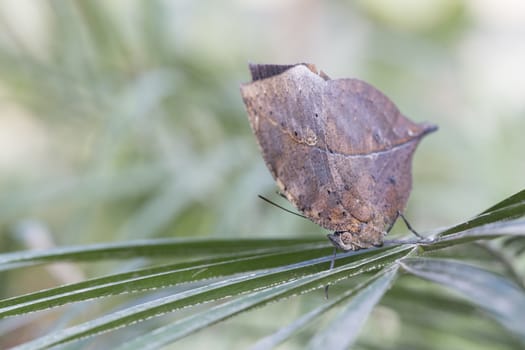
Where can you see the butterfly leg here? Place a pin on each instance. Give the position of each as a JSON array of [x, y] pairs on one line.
[[332, 263], [408, 225]]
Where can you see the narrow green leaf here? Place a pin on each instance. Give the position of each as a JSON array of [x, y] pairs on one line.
[[510, 208], [170, 333], [498, 296], [224, 288], [342, 332], [284, 333], [512, 200], [151, 278], [487, 231], [151, 248]]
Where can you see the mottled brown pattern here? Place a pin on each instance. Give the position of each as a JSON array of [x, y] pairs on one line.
[[339, 150]]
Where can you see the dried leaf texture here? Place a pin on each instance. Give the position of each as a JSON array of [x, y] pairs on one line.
[[339, 150]]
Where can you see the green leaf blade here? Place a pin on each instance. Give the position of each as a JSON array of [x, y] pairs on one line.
[[228, 287], [496, 295], [510, 208], [152, 248], [343, 331]]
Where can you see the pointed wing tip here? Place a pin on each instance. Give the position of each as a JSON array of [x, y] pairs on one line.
[[428, 128]]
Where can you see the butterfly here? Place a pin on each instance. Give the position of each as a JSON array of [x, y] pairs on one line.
[[339, 150]]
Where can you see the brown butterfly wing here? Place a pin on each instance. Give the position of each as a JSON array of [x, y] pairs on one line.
[[339, 150]]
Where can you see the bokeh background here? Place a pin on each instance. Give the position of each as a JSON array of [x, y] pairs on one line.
[[122, 120]]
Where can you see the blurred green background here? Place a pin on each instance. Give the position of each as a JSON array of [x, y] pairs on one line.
[[122, 120]]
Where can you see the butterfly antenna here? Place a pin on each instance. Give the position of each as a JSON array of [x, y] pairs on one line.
[[280, 207]]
